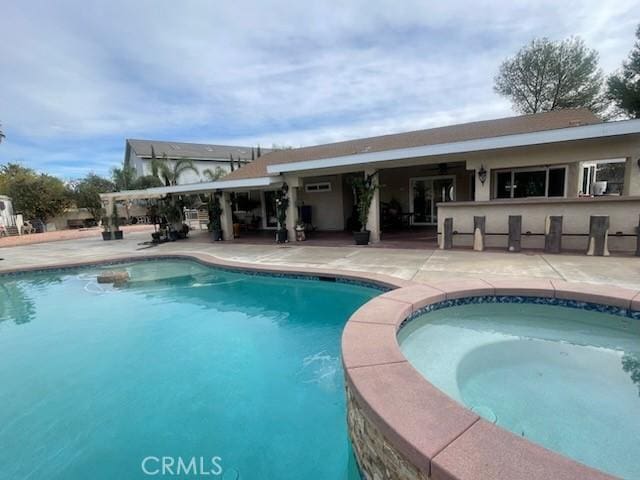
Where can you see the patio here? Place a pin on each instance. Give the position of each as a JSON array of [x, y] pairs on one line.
[[421, 265]]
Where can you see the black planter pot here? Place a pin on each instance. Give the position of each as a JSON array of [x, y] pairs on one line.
[[216, 235], [117, 234], [281, 236], [362, 238], [106, 236]]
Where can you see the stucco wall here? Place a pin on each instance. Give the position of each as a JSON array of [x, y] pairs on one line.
[[623, 217], [327, 208]]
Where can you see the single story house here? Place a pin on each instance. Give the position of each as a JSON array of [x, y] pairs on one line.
[[567, 163], [138, 154]]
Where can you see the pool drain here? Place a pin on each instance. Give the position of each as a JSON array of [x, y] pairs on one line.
[[485, 412]]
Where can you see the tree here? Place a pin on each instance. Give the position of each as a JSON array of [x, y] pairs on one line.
[[34, 195], [547, 75], [623, 88], [146, 181], [87, 194], [213, 175], [2, 135], [169, 172], [123, 178]]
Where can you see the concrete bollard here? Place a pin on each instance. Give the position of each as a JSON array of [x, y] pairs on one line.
[[598, 236], [447, 234], [553, 234], [479, 224], [515, 233]]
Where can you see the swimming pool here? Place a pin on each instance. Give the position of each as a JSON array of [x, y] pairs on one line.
[[565, 378], [185, 361]]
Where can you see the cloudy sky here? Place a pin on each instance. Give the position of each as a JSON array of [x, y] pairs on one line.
[[77, 77]]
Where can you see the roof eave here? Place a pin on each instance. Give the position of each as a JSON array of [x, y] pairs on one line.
[[584, 132]]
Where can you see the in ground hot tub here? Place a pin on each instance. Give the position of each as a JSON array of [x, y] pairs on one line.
[[565, 378], [474, 379]]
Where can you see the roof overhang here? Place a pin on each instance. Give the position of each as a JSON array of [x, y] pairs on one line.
[[585, 132], [194, 188]]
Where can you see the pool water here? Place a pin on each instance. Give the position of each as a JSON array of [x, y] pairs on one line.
[[565, 378], [186, 362]]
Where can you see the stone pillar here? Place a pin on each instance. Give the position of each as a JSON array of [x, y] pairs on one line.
[[515, 233], [226, 219], [479, 227], [292, 213], [447, 234], [373, 221], [632, 176], [553, 234], [598, 236]]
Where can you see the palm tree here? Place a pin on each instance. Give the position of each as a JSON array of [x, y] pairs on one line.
[[124, 178], [2, 135], [213, 175], [170, 172]]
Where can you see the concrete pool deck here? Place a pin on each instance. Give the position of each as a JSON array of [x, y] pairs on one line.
[[423, 266]]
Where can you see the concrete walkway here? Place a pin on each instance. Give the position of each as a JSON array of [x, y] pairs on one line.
[[426, 265]]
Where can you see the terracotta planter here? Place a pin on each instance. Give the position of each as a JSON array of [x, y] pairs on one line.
[[362, 238]]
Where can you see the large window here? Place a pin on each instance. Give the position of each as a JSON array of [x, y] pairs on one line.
[[530, 182]]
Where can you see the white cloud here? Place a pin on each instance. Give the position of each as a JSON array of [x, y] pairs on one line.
[[79, 77]]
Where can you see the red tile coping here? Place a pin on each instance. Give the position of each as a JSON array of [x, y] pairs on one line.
[[434, 432]]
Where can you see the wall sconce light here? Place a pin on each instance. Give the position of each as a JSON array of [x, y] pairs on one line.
[[482, 174]]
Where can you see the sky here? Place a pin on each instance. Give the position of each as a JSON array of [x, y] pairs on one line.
[[77, 78]]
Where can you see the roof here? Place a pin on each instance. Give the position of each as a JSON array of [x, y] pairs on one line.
[[538, 122], [194, 151]]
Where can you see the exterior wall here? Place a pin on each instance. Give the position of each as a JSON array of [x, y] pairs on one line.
[[327, 209], [623, 215], [557, 154]]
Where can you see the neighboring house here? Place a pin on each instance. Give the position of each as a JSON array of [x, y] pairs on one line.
[[533, 165], [138, 154]]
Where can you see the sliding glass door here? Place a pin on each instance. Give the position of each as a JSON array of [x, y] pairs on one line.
[[426, 193]]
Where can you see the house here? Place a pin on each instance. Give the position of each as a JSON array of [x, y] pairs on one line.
[[138, 154], [565, 163]]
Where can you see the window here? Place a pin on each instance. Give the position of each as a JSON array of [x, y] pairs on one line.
[[530, 182], [318, 187]]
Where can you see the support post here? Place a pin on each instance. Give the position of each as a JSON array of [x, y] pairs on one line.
[[638, 240], [479, 228], [373, 220], [631, 185], [598, 236], [447, 234], [292, 213], [226, 219], [553, 234], [515, 233]]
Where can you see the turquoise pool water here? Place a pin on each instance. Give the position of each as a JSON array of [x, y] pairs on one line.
[[186, 362], [565, 378]]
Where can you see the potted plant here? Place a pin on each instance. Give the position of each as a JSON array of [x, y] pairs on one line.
[[115, 221], [282, 203], [106, 233], [363, 189], [215, 225]]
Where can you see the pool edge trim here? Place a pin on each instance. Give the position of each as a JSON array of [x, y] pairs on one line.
[[431, 431]]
